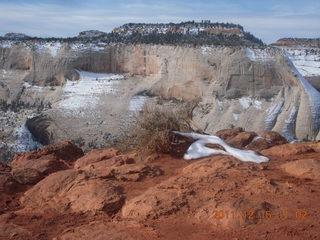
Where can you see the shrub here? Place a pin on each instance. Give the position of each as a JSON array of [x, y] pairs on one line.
[[152, 128]]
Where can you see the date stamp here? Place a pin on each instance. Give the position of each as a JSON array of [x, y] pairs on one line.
[[251, 214]]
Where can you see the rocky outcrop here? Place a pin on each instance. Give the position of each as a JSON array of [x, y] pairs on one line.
[[31, 167], [217, 194], [75, 190], [45, 130]]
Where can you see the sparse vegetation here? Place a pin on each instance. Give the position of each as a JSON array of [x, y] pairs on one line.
[[152, 130]]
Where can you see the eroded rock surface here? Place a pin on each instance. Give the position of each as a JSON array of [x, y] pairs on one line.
[[106, 194]]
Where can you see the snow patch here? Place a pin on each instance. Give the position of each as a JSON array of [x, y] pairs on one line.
[[246, 102], [288, 130], [235, 116], [220, 105], [25, 141], [27, 85], [136, 103], [199, 150], [306, 61], [84, 94], [261, 55], [313, 94], [6, 44], [272, 114], [52, 47], [205, 50]]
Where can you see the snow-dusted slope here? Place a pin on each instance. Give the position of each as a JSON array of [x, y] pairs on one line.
[[313, 95], [261, 55], [85, 93], [307, 61]]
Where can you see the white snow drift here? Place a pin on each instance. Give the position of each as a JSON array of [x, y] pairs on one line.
[[84, 94], [199, 150]]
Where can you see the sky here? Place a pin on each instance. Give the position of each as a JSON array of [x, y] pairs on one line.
[[268, 20]]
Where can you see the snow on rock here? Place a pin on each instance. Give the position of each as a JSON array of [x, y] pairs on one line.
[[136, 103], [27, 85], [260, 55], [235, 116], [313, 94], [6, 44], [198, 149], [288, 130], [88, 46], [272, 114], [220, 105], [246, 102], [206, 50], [52, 47], [306, 61], [85, 93], [25, 141]]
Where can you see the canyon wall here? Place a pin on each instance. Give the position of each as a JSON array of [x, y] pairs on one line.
[[258, 89]]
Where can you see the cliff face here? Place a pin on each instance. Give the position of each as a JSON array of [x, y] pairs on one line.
[[258, 89]]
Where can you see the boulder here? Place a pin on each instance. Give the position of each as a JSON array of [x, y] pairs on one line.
[[45, 130], [241, 140], [63, 150], [46, 164], [274, 137], [49, 159], [75, 190], [226, 134], [96, 155], [259, 144]]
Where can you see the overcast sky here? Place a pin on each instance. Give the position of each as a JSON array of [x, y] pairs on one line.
[[269, 20]]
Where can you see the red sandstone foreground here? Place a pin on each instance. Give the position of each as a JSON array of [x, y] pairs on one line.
[[57, 192]]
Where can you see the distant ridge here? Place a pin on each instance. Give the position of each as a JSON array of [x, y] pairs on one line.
[[184, 33], [311, 42]]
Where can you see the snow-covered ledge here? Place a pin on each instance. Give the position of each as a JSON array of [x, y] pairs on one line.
[[199, 150]]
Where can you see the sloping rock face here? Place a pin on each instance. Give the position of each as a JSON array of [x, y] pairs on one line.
[[75, 190], [214, 197], [31, 167], [257, 89]]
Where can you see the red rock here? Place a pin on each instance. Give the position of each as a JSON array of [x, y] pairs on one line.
[[274, 137], [4, 167], [27, 175], [289, 149], [259, 145], [154, 203], [127, 172], [44, 164], [76, 190], [13, 231], [8, 184], [95, 155], [226, 134], [98, 231], [63, 150], [304, 168], [241, 140], [48, 159]]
